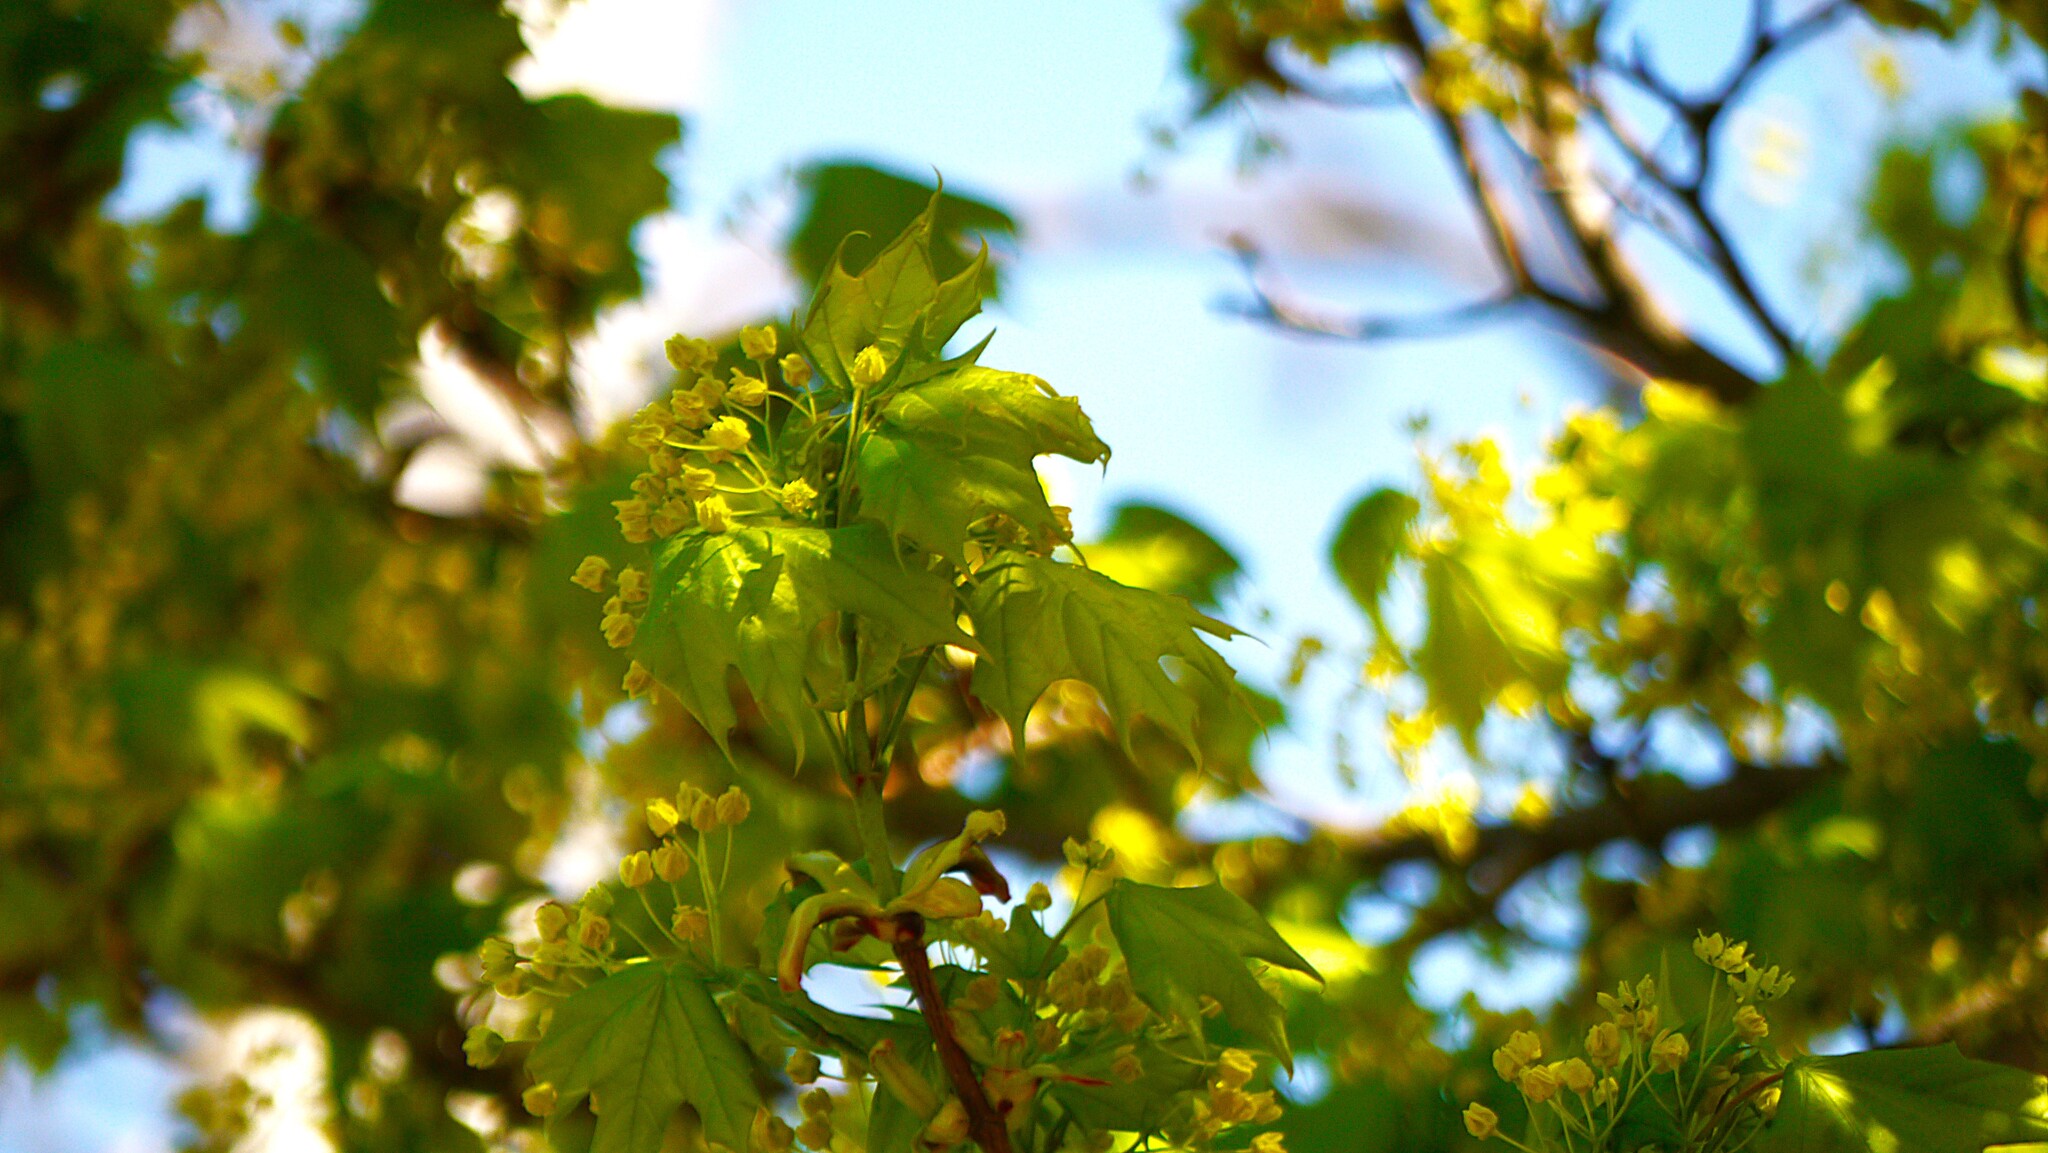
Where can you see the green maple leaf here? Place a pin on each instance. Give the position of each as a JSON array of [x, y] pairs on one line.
[[1039, 621], [755, 599], [953, 449], [897, 303], [1368, 545], [1931, 1100], [1184, 944], [640, 1043]]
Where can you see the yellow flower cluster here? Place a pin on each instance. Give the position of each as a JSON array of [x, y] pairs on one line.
[[1228, 1104], [1749, 982], [1625, 1051], [704, 444]]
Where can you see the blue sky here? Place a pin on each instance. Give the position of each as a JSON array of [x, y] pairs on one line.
[[1113, 295]]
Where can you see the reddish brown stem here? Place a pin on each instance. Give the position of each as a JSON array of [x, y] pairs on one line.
[[983, 1123]]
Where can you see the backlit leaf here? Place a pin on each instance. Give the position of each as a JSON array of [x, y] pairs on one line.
[[642, 1042]]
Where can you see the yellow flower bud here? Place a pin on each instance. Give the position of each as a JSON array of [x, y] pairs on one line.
[[1038, 898], [704, 814], [747, 391], [592, 573], [815, 1133], [687, 356], [733, 806], [539, 1099], [633, 586], [482, 1047], [815, 1103], [796, 370], [714, 515], [671, 518], [1646, 1022], [698, 483], [1234, 1067], [671, 862], [1575, 1075], [636, 869], [1608, 1090], [552, 920], [869, 366], [662, 817], [803, 1067], [592, 930], [757, 343], [1268, 1143], [1709, 948], [690, 923], [1669, 1052], [1522, 1049], [635, 523], [1539, 1083], [619, 630], [729, 433], [1750, 1025], [1603, 1044], [496, 960], [798, 495], [983, 824], [1480, 1121], [637, 680]]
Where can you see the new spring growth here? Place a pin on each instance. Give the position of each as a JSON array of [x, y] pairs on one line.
[[662, 817], [1750, 1024], [803, 1067], [758, 343], [747, 391], [1669, 1052], [869, 366], [1522, 1050], [671, 862], [637, 680], [539, 1099], [636, 870], [1480, 1121], [796, 370], [1603, 1044], [593, 573], [730, 434], [482, 1046]]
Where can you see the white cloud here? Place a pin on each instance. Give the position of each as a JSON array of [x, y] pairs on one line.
[[633, 53]]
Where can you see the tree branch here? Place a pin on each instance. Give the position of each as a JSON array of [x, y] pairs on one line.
[[984, 1124], [1653, 808]]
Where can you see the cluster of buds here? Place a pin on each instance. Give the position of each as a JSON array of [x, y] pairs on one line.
[[816, 1130], [704, 464], [1227, 1103], [1088, 987], [1733, 958], [673, 859], [628, 593], [1517, 1064], [575, 946]]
